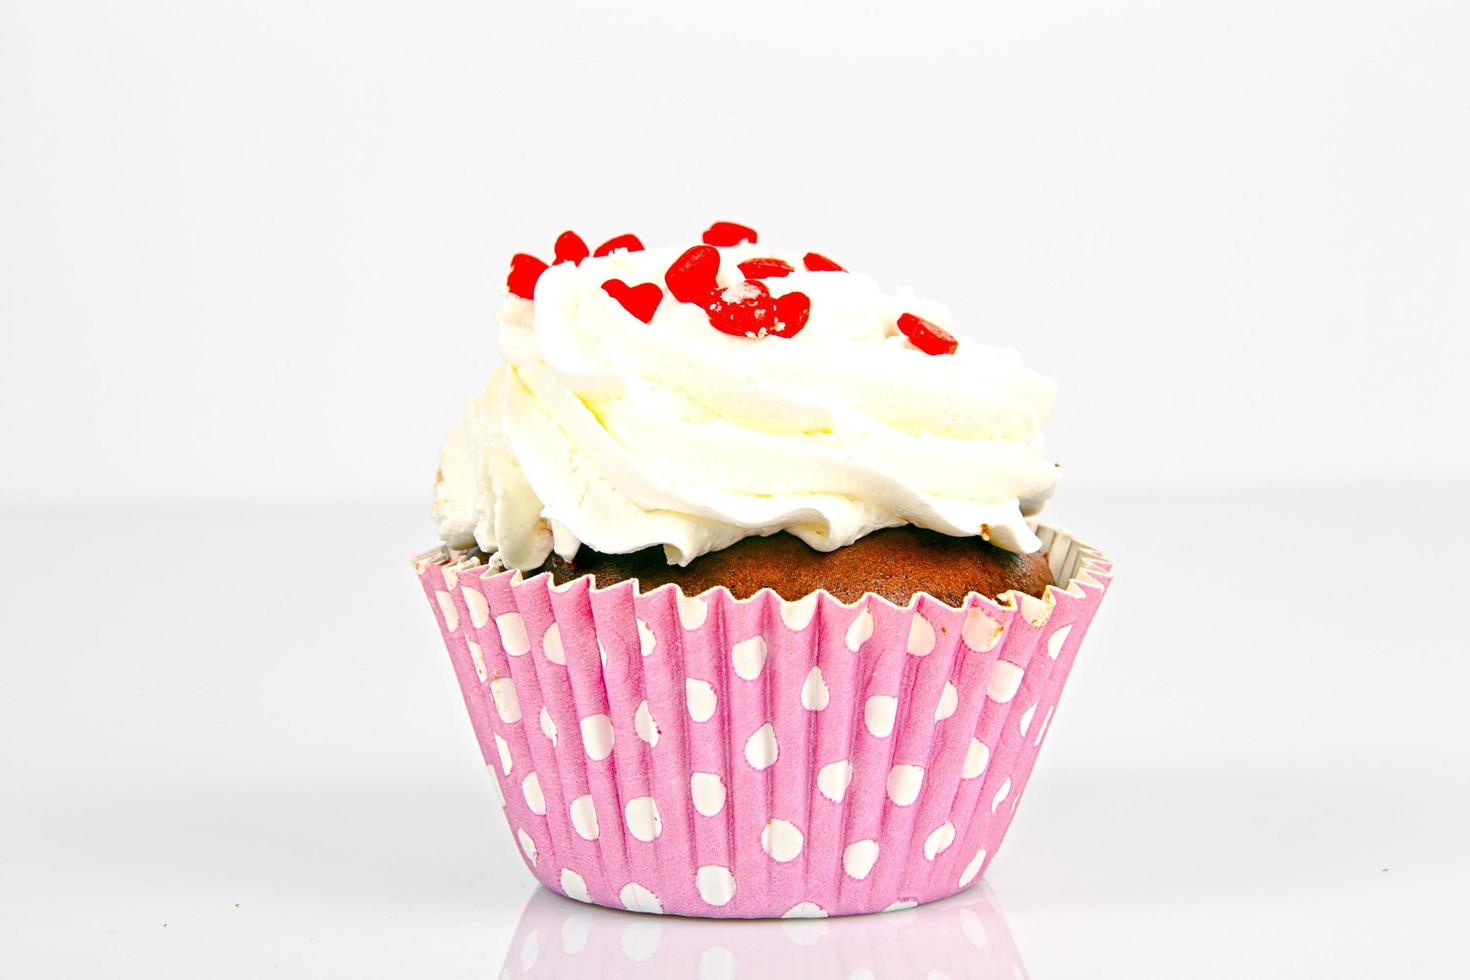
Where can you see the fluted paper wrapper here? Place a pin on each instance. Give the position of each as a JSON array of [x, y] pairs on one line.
[[714, 756]]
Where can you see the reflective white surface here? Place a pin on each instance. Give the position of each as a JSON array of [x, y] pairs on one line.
[[255, 761]]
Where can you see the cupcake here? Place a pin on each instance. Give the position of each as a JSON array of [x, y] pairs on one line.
[[744, 585]]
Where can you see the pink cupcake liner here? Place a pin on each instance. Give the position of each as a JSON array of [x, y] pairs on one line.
[[711, 756], [964, 936]]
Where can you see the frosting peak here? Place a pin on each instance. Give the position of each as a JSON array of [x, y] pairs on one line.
[[601, 429]]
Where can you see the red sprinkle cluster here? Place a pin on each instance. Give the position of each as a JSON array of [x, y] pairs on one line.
[[525, 269], [746, 309]]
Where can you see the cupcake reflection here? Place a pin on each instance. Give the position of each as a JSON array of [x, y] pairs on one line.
[[962, 936]]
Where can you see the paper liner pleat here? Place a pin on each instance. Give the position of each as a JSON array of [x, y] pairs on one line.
[[691, 755]]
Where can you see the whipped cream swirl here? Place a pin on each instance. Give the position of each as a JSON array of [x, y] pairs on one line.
[[603, 431]]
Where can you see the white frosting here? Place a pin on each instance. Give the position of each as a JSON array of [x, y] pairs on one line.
[[605, 431]]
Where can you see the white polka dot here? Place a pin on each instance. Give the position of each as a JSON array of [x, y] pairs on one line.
[[834, 778], [718, 963], [707, 790], [692, 611], [938, 842], [597, 736], [949, 700], [805, 910], [530, 950], [644, 724], [584, 818], [860, 631], [1026, 717], [1055, 641], [814, 693], [921, 636], [513, 633], [602, 655], [636, 898], [878, 714], [507, 705], [973, 928], [1001, 794], [1005, 680], [973, 868], [781, 840], [447, 610], [749, 657], [1036, 611], [646, 640], [859, 857], [502, 747], [495, 784], [548, 727], [700, 696], [551, 645], [641, 814], [528, 846], [479, 609], [576, 930], [761, 748], [797, 615], [904, 783], [902, 904], [573, 886], [976, 759], [716, 884], [641, 940], [535, 799], [1041, 732], [979, 631], [451, 577]]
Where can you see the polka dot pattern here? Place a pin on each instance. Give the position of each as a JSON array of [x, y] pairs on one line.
[[513, 634], [716, 884], [814, 692], [761, 749], [859, 857], [781, 840], [756, 735], [573, 885], [707, 790], [749, 657], [479, 609]]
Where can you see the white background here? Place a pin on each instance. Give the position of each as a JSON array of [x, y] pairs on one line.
[[255, 248], [249, 257]]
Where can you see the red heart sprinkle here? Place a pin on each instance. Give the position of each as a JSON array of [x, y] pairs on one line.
[[728, 233], [927, 336], [691, 279], [524, 271], [640, 300], [629, 242], [570, 248], [791, 313], [820, 263], [743, 310], [765, 268]]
